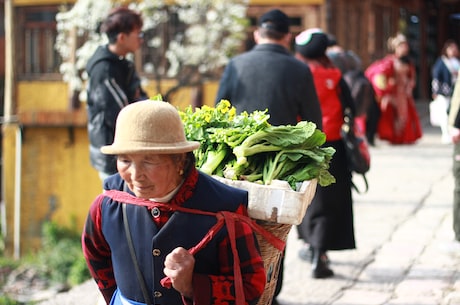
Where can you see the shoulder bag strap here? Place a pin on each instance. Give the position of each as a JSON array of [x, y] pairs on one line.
[[346, 98], [133, 256]]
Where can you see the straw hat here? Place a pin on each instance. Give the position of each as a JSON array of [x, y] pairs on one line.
[[149, 127]]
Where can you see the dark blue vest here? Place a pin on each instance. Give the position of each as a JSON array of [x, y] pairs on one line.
[[152, 245]]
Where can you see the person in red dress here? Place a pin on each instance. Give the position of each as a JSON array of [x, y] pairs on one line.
[[393, 79]]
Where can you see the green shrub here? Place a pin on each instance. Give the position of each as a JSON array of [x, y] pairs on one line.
[[4, 300], [59, 261], [78, 272], [61, 255]]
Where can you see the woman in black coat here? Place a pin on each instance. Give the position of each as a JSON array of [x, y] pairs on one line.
[[328, 223]]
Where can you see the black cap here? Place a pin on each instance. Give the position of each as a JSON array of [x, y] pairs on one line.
[[311, 43], [275, 20]]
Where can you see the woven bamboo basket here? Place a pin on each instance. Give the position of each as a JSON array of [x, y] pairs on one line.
[[275, 207], [271, 257]]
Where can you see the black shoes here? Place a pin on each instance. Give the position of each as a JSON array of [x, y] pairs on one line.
[[320, 265], [319, 261]]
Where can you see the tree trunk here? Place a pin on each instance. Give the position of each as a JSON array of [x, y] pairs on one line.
[[197, 96]]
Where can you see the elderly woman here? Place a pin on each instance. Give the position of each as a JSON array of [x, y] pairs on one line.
[[140, 238]]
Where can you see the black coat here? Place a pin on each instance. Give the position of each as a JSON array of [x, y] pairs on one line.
[[269, 77], [113, 84], [328, 223]]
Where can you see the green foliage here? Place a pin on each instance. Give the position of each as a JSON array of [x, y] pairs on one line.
[[293, 153], [8, 263], [219, 130], [5, 300], [61, 256], [157, 98], [247, 147], [78, 272], [60, 260]]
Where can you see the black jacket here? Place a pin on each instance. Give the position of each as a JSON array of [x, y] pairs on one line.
[[269, 77], [113, 84]]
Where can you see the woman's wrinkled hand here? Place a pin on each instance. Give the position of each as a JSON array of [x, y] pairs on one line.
[[179, 266]]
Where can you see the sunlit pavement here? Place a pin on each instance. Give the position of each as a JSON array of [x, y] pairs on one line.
[[406, 253]]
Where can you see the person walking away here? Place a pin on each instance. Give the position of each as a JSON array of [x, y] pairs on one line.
[[393, 79], [367, 109], [113, 83], [268, 77], [146, 238], [328, 223], [444, 75]]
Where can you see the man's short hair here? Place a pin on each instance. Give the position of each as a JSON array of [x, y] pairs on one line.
[[271, 34], [121, 20]]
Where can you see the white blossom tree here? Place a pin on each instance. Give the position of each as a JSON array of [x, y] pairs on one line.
[[189, 40]]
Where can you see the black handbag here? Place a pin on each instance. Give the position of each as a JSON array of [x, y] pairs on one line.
[[357, 148]]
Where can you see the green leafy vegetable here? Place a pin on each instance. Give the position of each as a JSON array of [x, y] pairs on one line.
[[247, 147]]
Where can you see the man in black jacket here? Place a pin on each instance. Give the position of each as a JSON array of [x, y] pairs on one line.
[[269, 77], [113, 83]]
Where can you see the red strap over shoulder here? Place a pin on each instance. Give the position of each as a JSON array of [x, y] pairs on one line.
[[223, 217]]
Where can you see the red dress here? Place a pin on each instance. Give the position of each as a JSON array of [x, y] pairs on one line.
[[393, 82]]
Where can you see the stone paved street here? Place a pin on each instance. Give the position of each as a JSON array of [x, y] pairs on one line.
[[405, 251]]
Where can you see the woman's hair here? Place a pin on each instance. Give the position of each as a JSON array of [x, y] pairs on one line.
[[189, 162], [446, 45], [395, 41], [121, 20]]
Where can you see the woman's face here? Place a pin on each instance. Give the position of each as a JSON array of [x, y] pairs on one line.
[[452, 50], [151, 175], [402, 49]]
